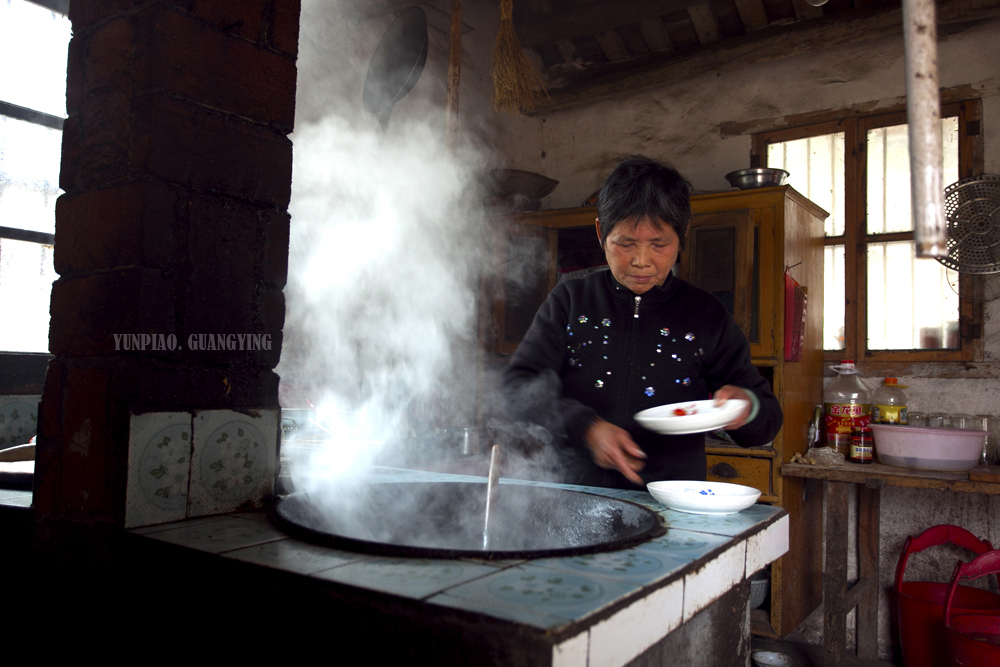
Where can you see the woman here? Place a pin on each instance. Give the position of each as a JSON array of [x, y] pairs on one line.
[[604, 347]]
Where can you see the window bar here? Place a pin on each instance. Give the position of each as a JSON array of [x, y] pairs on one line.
[[27, 235], [31, 116]]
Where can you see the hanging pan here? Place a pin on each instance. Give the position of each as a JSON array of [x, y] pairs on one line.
[[397, 63]]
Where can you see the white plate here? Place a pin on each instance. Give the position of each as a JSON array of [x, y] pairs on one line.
[[702, 416], [703, 497]]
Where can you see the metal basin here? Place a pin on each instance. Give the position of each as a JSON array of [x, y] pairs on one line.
[[445, 520]]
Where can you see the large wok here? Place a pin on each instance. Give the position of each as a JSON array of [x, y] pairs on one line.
[[445, 520]]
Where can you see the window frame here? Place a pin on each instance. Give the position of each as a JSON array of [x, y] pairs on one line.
[[24, 372], [855, 124]]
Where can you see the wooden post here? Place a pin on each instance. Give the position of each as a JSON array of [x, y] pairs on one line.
[[835, 573], [870, 495]]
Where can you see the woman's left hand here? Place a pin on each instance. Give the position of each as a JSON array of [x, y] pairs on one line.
[[726, 392]]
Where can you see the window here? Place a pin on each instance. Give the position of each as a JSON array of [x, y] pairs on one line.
[[881, 303], [33, 44]]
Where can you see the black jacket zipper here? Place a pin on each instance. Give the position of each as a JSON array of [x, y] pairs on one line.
[[624, 410]]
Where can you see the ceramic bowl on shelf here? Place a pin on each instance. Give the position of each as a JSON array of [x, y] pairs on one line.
[[696, 497], [926, 448]]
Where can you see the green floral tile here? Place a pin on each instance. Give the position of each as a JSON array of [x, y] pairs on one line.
[[408, 577], [544, 591]]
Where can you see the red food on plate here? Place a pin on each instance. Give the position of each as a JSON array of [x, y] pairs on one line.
[[684, 412]]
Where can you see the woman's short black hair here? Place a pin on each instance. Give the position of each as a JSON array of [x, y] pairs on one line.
[[640, 188]]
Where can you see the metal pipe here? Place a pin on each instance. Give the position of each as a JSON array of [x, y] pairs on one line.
[[492, 482], [454, 75], [923, 113]]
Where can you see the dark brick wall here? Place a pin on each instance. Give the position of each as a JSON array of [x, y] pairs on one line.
[[177, 171]]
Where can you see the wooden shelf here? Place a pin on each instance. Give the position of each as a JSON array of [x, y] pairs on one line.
[[736, 450], [877, 474]]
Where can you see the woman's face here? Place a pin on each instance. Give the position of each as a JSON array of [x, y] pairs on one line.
[[640, 255]]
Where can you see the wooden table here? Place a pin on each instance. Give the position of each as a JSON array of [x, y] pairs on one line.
[[838, 597]]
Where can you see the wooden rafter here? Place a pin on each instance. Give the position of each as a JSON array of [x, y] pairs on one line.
[[655, 34], [703, 20], [752, 14], [771, 43], [612, 44], [568, 51], [591, 18]]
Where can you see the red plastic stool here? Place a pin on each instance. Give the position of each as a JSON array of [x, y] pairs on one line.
[[973, 639], [921, 603]]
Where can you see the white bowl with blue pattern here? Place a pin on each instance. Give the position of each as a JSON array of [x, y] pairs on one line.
[[696, 497]]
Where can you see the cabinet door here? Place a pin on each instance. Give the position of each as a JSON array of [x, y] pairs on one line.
[[753, 472], [527, 261], [721, 258]]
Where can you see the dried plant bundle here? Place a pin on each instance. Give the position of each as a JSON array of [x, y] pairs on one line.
[[517, 86]]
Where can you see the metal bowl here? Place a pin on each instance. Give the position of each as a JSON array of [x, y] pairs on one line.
[[746, 179]]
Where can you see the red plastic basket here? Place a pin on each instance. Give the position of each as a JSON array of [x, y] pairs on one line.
[[973, 639], [921, 603]]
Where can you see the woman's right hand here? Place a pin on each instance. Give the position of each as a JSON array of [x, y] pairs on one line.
[[613, 448]]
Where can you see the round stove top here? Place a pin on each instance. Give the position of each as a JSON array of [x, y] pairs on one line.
[[445, 520]]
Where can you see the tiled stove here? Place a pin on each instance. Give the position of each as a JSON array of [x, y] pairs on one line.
[[595, 610]]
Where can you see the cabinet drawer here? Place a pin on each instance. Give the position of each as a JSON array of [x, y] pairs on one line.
[[755, 472]]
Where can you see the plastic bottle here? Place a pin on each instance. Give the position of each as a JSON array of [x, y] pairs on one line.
[[889, 404], [846, 404]]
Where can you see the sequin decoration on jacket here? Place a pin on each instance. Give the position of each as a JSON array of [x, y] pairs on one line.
[[596, 349]]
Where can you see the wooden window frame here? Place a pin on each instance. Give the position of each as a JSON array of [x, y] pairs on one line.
[[24, 372], [855, 126]]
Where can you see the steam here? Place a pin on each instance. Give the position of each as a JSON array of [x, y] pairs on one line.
[[386, 250], [388, 245]]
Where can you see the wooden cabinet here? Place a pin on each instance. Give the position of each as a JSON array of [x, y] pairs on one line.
[[739, 246]]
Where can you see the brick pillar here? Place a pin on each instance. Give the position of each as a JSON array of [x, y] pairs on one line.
[[177, 171]]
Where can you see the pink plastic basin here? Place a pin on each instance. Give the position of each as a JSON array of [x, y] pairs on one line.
[[924, 448]]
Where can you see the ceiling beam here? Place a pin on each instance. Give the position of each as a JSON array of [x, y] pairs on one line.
[[656, 36], [589, 19], [752, 14], [772, 43], [613, 45], [567, 49], [705, 25]]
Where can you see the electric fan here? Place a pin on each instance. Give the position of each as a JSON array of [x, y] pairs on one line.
[[972, 208]]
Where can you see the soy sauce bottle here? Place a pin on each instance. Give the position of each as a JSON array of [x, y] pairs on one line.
[[862, 445]]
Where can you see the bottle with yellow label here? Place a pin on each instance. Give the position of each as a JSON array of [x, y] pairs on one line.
[[889, 404]]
